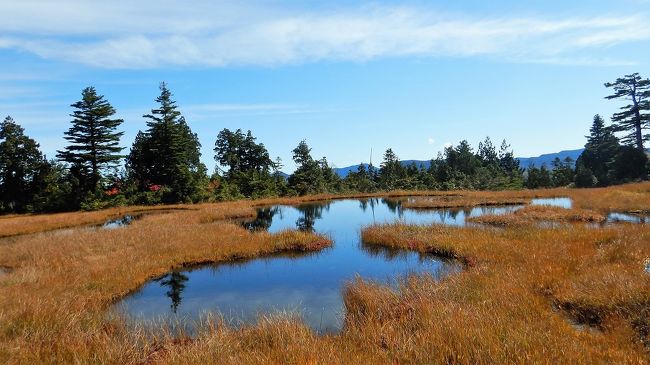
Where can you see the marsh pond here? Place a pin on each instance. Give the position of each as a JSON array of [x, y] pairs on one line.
[[309, 284]]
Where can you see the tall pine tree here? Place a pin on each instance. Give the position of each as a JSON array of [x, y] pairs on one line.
[[600, 150], [167, 154], [633, 118], [391, 171], [94, 140]]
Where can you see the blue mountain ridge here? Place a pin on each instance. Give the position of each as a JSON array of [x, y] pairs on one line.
[[525, 162]]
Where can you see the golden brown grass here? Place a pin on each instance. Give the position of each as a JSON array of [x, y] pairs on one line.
[[14, 225], [521, 297], [518, 301], [53, 303], [535, 214], [459, 202]]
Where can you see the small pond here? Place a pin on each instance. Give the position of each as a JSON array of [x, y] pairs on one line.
[[310, 285], [119, 222], [565, 203], [627, 218]]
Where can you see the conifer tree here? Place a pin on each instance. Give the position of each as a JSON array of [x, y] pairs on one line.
[[390, 171], [633, 118], [167, 154], [600, 150], [308, 177], [94, 140]]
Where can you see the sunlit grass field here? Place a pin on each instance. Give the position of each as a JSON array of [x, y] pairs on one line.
[[530, 293]]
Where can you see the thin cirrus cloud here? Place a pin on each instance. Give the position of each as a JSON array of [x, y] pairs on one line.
[[212, 110], [222, 35]]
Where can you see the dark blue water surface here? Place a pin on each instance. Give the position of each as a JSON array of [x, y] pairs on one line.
[[310, 285]]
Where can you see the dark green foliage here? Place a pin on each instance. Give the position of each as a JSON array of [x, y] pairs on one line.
[[461, 160], [94, 142], [457, 168], [249, 167], [311, 176], [331, 181], [562, 174], [361, 180], [166, 156], [633, 118], [630, 164], [391, 172], [584, 177], [604, 161], [538, 178], [600, 150], [239, 152], [23, 169], [57, 189]]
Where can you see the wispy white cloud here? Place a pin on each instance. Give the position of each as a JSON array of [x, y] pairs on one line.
[[151, 34], [203, 112], [10, 92]]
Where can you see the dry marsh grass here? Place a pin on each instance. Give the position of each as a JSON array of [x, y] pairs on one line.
[[522, 297], [460, 202], [536, 214], [518, 301], [15, 225], [53, 302]]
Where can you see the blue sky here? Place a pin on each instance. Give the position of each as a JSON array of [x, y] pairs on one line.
[[346, 76]]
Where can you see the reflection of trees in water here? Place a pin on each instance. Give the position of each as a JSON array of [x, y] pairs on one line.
[[447, 215], [390, 253], [310, 213], [176, 283], [263, 220], [363, 204], [446, 266], [394, 206], [369, 202]]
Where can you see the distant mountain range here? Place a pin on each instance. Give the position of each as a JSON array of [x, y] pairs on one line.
[[524, 162], [547, 159]]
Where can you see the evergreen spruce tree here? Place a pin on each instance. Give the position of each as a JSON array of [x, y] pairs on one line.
[[167, 156], [390, 171], [94, 140], [308, 177], [600, 150], [633, 118]]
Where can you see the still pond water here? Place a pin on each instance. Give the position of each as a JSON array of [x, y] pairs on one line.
[[310, 285]]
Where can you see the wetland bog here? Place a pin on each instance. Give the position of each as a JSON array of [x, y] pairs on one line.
[[522, 294]]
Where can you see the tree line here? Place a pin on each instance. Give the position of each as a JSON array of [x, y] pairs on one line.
[[163, 164]]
